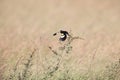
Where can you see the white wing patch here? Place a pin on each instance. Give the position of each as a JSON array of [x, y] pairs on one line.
[[62, 36]]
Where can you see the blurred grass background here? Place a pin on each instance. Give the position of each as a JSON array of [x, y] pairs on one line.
[[29, 24]]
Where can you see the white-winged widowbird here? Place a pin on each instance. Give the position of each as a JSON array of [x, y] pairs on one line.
[[64, 35]]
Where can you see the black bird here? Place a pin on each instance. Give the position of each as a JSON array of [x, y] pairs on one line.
[[64, 35]]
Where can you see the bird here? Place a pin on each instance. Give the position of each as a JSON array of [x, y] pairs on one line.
[[64, 35]]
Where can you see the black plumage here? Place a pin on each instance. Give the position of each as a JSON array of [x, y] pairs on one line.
[[64, 35]]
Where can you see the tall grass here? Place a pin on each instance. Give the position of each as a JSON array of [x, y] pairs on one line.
[[57, 67], [21, 72]]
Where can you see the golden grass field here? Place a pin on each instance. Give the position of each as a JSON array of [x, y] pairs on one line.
[[26, 25]]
